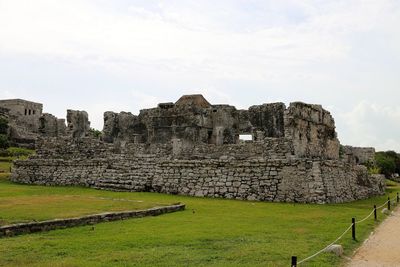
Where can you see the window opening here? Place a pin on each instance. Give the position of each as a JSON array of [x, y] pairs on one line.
[[246, 137]]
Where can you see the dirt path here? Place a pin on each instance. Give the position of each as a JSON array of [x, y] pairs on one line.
[[383, 247]]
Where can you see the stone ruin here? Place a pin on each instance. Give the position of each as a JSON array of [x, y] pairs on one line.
[[194, 148], [28, 123]]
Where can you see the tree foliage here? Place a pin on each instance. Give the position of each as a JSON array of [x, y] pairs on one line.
[[3, 126], [95, 133], [4, 142], [388, 162]]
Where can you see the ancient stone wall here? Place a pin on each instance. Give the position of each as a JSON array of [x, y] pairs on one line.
[[359, 155], [44, 226], [312, 130], [268, 118], [4, 112], [192, 121], [23, 118], [193, 148], [142, 168], [78, 125], [51, 126]]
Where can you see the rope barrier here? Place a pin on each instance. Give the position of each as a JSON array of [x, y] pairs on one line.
[[363, 220], [322, 250], [384, 204], [347, 230]]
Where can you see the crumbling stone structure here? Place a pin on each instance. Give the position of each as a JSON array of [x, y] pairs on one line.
[[78, 123], [28, 123], [23, 117], [359, 155], [51, 126], [194, 148]]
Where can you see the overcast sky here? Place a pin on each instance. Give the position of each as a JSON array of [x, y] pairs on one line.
[[121, 55]]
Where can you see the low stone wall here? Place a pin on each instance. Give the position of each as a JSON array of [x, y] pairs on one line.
[[280, 180], [32, 227]]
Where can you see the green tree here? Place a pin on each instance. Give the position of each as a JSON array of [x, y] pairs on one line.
[[386, 161], [95, 133], [4, 143], [3, 126]]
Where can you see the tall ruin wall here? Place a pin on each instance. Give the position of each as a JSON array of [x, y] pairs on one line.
[[193, 148]]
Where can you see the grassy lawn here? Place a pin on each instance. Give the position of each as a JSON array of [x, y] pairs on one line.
[[21, 203], [4, 165], [211, 232]]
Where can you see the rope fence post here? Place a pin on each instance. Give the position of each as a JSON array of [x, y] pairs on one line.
[[397, 198], [375, 215], [294, 261], [388, 203], [353, 228]]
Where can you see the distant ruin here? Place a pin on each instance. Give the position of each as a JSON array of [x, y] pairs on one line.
[[28, 123], [192, 147]]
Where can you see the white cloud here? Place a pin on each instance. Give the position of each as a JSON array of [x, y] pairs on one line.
[[371, 124], [84, 32], [232, 51]]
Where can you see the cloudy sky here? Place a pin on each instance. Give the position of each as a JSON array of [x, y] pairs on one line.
[[121, 55]]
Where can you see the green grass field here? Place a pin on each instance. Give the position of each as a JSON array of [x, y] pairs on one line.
[[210, 232]]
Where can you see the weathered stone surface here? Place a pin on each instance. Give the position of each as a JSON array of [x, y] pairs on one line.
[[78, 123], [23, 117], [123, 127], [138, 167], [312, 130], [27, 123], [51, 126], [359, 155], [386, 211], [32, 227], [268, 118], [335, 249]]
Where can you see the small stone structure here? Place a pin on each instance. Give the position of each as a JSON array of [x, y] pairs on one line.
[[359, 155], [34, 227], [28, 123], [193, 148], [23, 117]]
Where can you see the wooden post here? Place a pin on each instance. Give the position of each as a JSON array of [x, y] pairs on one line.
[[353, 228], [375, 215], [388, 203], [294, 261], [398, 199]]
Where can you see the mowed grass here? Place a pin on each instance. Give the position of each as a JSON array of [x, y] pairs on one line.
[[21, 203], [4, 165], [210, 232]]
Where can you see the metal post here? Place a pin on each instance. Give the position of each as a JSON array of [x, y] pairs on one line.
[[353, 228], [398, 199], [375, 215], [388, 203], [294, 261]]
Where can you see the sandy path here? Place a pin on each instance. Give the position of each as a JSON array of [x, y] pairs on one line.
[[383, 247]]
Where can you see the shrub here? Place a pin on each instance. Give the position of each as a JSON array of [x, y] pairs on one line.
[[374, 170], [4, 142], [3, 126], [95, 133], [19, 152], [388, 162]]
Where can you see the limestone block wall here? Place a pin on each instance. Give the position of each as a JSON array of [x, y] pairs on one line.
[[269, 148], [298, 180], [359, 155]]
